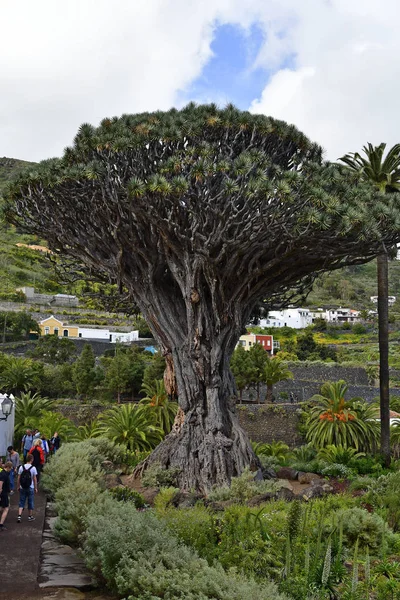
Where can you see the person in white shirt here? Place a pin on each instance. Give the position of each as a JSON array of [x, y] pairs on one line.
[[27, 485]]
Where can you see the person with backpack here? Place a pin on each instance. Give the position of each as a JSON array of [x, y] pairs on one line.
[[27, 443], [38, 457], [27, 485], [4, 491]]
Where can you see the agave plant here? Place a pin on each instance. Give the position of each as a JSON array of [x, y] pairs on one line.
[[159, 404], [131, 425], [28, 410], [333, 420]]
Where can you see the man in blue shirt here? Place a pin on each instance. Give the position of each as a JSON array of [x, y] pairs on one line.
[[27, 443]]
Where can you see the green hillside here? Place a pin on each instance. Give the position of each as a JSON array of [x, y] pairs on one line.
[[353, 286], [20, 266], [9, 168]]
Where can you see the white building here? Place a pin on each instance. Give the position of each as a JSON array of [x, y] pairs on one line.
[[298, 318], [391, 300], [6, 428], [108, 336], [343, 315]]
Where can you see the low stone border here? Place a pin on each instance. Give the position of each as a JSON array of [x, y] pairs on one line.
[[60, 565]]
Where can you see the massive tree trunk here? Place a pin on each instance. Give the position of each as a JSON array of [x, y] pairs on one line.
[[383, 315], [206, 443]]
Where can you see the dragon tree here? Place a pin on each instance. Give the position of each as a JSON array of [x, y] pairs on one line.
[[201, 214]]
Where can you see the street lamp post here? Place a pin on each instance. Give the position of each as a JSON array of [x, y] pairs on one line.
[[6, 405]]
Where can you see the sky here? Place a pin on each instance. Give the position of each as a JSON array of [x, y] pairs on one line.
[[331, 67]]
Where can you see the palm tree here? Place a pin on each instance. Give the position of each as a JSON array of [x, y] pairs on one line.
[[86, 432], [274, 371], [18, 375], [28, 410], [131, 425], [385, 176], [159, 404], [333, 420], [51, 421]]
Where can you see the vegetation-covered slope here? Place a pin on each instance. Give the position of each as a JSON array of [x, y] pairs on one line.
[[20, 266]]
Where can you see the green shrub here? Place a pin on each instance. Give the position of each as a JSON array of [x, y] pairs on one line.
[[358, 524], [74, 501], [366, 465], [124, 494], [196, 528], [383, 495], [243, 488], [158, 476], [337, 470], [79, 459], [164, 499], [137, 557], [339, 454]]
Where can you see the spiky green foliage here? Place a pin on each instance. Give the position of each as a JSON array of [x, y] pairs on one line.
[[159, 404], [333, 420], [384, 173], [225, 161], [18, 374], [278, 450], [275, 371], [29, 408], [338, 454], [131, 425]]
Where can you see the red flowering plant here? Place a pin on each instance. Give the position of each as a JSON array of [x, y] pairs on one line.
[[334, 420]]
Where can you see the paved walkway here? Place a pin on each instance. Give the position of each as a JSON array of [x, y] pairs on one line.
[[20, 546], [20, 552]]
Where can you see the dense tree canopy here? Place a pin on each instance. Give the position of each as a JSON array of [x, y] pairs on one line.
[[200, 213]]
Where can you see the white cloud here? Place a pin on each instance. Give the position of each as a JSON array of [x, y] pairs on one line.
[[334, 65], [342, 91]]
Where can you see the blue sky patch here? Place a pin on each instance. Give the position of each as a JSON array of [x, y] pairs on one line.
[[229, 75]]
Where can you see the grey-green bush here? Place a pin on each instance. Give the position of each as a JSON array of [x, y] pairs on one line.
[[139, 558]]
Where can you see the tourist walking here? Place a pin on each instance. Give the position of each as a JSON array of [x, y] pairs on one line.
[[27, 485], [45, 446], [13, 457], [4, 492], [38, 457], [55, 442], [27, 443]]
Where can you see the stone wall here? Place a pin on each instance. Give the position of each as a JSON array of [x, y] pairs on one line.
[[268, 423], [262, 423], [99, 346], [329, 372]]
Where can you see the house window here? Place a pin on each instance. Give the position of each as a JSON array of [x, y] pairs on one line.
[[55, 330], [79, 335], [46, 330], [249, 343], [242, 343], [65, 333]]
